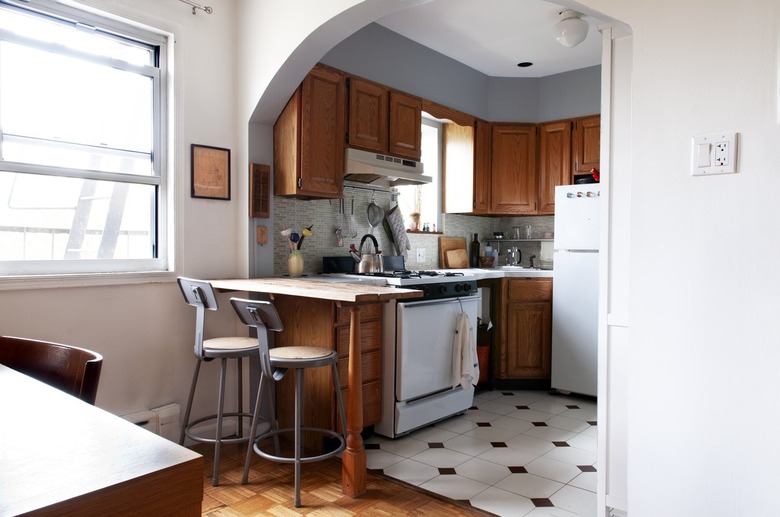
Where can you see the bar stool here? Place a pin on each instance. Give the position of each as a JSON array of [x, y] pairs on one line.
[[200, 294], [274, 364]]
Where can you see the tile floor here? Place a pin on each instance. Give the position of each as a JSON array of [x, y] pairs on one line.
[[514, 453]]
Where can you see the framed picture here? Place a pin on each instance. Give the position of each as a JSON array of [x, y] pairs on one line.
[[259, 191], [210, 172]]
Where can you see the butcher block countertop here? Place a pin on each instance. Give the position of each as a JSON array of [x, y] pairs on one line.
[[306, 288]]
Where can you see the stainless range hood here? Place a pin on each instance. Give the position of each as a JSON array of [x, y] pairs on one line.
[[382, 170]]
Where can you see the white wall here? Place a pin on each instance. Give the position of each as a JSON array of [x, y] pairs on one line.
[[145, 332], [704, 295]]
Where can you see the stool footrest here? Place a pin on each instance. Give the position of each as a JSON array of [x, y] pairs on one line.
[[233, 439], [304, 458]]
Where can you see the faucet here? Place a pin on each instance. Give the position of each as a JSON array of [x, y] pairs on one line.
[[532, 261]]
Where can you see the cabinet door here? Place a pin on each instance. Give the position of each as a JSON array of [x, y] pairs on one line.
[[529, 325], [482, 167], [554, 162], [405, 133], [457, 168], [322, 127], [586, 146], [513, 187], [368, 115]]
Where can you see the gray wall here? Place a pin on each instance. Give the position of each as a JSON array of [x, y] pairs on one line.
[[386, 57]]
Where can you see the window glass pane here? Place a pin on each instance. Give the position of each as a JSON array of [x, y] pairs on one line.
[[58, 218], [425, 199], [81, 38], [61, 111]]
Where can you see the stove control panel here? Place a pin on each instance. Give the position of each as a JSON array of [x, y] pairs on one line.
[[444, 290]]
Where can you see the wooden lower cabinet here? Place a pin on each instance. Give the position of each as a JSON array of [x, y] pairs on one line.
[[525, 336], [320, 323]]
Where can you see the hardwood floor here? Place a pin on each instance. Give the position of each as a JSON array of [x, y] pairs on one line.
[[271, 486]]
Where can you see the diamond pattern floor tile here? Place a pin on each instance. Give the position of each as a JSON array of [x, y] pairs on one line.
[[514, 453]]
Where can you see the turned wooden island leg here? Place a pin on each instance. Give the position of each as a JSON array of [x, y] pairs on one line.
[[353, 459]]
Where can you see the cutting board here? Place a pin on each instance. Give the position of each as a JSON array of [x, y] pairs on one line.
[[457, 259], [447, 244]]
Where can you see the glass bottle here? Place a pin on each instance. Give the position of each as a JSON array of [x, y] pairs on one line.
[[474, 252]]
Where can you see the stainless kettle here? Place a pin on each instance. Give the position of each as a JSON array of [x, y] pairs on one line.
[[370, 262]]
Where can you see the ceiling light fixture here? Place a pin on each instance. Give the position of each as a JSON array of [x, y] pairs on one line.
[[571, 30]]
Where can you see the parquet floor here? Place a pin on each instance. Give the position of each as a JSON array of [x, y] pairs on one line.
[[271, 486]]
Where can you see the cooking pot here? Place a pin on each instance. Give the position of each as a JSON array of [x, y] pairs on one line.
[[370, 262]]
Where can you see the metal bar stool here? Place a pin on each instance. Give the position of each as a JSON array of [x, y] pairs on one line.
[[274, 364], [200, 294]]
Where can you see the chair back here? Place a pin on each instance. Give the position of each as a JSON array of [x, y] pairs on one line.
[[200, 294], [74, 370], [263, 317]]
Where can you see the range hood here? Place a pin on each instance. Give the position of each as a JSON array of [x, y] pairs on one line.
[[382, 170]]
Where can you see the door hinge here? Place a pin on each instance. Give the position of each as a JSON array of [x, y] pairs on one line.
[[346, 137], [299, 182]]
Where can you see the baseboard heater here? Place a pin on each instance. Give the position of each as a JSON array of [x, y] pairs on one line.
[[162, 421]]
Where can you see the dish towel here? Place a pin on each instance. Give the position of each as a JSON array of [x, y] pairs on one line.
[[396, 222], [465, 365]]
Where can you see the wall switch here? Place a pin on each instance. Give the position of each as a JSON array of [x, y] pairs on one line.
[[420, 254], [714, 153]]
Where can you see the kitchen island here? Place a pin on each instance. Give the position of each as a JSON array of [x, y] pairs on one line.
[[353, 297]]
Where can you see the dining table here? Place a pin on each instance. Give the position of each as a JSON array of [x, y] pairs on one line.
[[62, 456], [349, 295]]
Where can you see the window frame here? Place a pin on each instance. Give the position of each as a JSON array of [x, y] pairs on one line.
[[45, 273]]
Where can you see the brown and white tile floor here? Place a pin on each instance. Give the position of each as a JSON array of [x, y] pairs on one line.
[[515, 453]]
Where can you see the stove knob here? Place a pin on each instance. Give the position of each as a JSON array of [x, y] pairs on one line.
[[442, 289], [467, 287], [458, 287], [425, 290]]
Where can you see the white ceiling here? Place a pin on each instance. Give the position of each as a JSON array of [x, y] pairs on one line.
[[493, 36]]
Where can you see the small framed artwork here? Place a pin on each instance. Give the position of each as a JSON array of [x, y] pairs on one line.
[[259, 191], [210, 172]]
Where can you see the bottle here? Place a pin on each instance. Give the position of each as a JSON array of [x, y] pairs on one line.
[[488, 251], [474, 252]]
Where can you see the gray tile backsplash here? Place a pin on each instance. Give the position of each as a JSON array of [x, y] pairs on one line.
[[324, 215]]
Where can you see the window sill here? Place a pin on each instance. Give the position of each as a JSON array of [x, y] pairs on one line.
[[18, 283]]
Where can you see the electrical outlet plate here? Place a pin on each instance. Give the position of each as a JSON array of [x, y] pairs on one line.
[[420, 254], [714, 153]]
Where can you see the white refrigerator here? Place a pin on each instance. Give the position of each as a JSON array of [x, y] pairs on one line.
[[575, 289]]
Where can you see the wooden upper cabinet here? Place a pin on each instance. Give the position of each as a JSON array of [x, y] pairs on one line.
[[368, 115], [554, 162], [513, 185], [308, 138], [384, 120], [586, 144], [405, 133]]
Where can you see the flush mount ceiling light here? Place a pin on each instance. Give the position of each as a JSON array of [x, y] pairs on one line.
[[571, 30]]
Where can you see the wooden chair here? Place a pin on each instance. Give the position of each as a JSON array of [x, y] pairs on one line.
[[274, 365], [68, 368]]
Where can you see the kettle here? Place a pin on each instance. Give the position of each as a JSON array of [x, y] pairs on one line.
[[370, 262]]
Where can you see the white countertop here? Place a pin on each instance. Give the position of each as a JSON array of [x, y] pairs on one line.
[[506, 272]]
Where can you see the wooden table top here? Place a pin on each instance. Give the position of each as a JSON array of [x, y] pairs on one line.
[[62, 456], [307, 288]]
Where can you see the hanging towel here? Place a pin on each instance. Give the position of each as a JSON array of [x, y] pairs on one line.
[[396, 222], [465, 365]]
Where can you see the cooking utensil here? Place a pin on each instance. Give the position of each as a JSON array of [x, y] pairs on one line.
[[339, 230], [375, 214], [351, 222]]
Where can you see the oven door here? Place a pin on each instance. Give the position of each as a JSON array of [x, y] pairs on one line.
[[424, 344]]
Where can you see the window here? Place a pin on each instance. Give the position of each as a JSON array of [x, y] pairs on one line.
[[82, 161], [426, 199]]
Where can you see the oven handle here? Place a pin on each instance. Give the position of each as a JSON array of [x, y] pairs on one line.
[[456, 299]]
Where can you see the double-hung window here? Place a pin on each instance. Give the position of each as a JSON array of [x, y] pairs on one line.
[[82, 143]]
